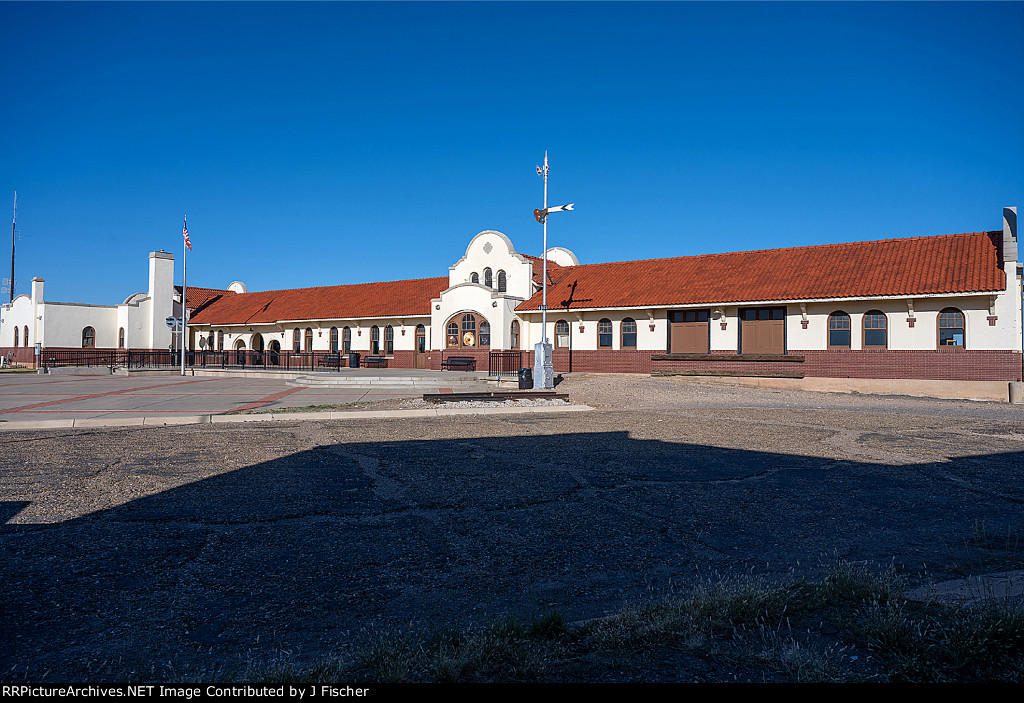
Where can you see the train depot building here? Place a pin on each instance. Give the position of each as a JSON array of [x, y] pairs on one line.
[[936, 315]]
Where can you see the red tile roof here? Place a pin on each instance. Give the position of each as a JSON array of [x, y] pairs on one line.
[[198, 297], [954, 263], [385, 299]]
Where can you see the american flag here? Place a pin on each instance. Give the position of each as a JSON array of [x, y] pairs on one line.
[[184, 233]]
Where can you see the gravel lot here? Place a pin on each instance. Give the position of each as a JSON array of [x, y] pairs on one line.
[[169, 553]]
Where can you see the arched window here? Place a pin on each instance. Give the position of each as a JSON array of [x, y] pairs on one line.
[[604, 334], [514, 334], [502, 282], [839, 330], [561, 335], [26, 336], [875, 333], [952, 332], [210, 342], [375, 340], [474, 277], [220, 340], [468, 330], [120, 338], [309, 339], [488, 278], [88, 338], [296, 340], [462, 331], [16, 338], [334, 340], [389, 340], [628, 333], [346, 339]]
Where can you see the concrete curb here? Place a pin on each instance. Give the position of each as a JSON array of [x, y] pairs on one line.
[[95, 422]]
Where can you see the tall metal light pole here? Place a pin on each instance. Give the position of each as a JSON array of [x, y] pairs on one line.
[[543, 367]]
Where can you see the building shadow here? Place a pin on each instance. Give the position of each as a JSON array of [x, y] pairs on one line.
[[320, 549]]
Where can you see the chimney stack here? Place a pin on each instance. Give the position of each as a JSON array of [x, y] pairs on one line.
[[1009, 234]]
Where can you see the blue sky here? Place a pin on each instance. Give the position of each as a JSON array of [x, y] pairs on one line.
[[328, 143]]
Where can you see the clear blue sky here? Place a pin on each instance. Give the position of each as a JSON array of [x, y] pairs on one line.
[[327, 143]]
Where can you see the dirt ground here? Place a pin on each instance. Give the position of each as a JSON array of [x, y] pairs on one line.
[[171, 553]]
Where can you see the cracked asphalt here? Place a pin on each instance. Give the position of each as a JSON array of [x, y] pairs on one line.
[[167, 553]]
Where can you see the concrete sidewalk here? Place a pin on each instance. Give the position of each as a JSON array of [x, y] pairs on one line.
[[31, 397]]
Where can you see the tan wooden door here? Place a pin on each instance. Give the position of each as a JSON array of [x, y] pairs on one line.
[[763, 330], [421, 347], [689, 332]]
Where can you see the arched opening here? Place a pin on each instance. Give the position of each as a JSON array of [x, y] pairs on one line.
[[466, 331], [389, 340], [274, 349], [488, 278], [334, 340], [839, 330], [375, 340], [952, 328], [120, 338], [346, 339], [875, 332], [502, 282], [513, 333], [88, 338], [309, 339]]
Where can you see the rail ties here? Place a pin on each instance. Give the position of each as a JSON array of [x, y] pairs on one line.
[[492, 396]]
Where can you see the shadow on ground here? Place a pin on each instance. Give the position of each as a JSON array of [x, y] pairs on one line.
[[303, 556]]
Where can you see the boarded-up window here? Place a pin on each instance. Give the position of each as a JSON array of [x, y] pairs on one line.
[[763, 330], [689, 331]]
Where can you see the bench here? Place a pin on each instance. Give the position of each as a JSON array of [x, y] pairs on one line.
[[330, 360], [379, 362], [462, 363]]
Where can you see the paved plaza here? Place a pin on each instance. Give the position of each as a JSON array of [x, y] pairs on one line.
[[42, 397], [195, 551]]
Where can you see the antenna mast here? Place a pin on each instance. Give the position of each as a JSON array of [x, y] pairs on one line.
[[13, 221]]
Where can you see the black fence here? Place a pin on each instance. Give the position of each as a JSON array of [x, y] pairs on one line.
[[125, 358], [504, 364]]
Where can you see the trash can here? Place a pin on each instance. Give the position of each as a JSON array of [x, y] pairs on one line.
[[525, 379], [353, 360]]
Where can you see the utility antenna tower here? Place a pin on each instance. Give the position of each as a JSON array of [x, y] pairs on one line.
[[14, 220]]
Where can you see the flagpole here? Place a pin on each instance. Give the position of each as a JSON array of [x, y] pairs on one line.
[[184, 290]]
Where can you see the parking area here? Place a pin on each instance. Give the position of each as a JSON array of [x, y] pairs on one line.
[[168, 553], [45, 397]]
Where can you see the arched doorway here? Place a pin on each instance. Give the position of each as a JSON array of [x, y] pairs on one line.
[[275, 352], [240, 352], [257, 349]]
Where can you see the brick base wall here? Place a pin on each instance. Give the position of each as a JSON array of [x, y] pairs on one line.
[[944, 364]]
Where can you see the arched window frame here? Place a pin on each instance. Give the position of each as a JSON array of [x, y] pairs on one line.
[[562, 335], [474, 277], [375, 340], [88, 337], [24, 339], [346, 339], [334, 340], [17, 338], [840, 327], [309, 339], [874, 322], [947, 320], [502, 282], [220, 340], [627, 334], [421, 339], [488, 278], [389, 341], [296, 340], [120, 338], [465, 331], [604, 334], [514, 335]]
